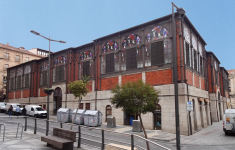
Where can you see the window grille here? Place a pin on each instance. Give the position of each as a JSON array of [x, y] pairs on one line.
[[201, 69], [195, 60], [44, 76], [123, 60], [116, 62], [131, 61], [147, 57], [103, 64], [81, 106], [167, 51], [187, 54], [139, 54], [87, 106]]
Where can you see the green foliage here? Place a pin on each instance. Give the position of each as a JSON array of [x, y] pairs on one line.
[[78, 88], [135, 97]]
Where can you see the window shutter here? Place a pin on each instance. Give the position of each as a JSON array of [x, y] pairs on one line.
[[131, 60], [110, 63], [57, 70], [26, 80], [157, 53], [187, 54], [86, 68], [61, 73]]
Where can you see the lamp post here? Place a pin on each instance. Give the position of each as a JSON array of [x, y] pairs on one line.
[[49, 72], [180, 11]]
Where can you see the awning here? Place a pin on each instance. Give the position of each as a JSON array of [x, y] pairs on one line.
[[207, 100], [201, 99]]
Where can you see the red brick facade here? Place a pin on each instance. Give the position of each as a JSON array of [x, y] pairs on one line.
[[202, 83], [161, 77], [189, 77], [196, 81], [10, 95], [17, 94], [108, 83], [89, 86], [42, 94], [26, 93], [131, 78]]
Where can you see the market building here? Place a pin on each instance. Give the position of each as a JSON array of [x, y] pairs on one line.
[[143, 52]]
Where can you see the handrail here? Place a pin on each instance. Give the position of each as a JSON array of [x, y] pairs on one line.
[[21, 131], [3, 130]]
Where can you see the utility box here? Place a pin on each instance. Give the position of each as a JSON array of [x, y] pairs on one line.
[[111, 122], [79, 117], [136, 127], [64, 115], [92, 118]]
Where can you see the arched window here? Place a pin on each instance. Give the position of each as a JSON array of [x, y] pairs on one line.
[[131, 40], [86, 67], [157, 33], [19, 78], [59, 70], [12, 80], [156, 51], [58, 92], [27, 77], [44, 73], [110, 46]]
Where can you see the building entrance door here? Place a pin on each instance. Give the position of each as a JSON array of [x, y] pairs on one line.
[[57, 102], [157, 118]]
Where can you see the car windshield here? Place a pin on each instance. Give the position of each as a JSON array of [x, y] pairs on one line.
[[19, 106], [2, 104], [39, 109], [14, 106]]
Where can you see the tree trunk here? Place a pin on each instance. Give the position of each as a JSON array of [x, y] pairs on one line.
[[147, 143], [79, 101]]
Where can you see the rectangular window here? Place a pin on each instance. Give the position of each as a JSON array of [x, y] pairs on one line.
[[187, 54], [110, 63], [157, 53], [81, 106], [26, 59], [6, 56], [12, 84], [147, 56], [131, 60], [123, 60], [17, 58], [5, 67], [116, 62], [18, 82], [87, 106], [86, 68], [201, 69], [27, 80], [44, 77], [59, 73]]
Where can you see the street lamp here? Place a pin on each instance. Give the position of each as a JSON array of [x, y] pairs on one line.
[[49, 72], [180, 11]]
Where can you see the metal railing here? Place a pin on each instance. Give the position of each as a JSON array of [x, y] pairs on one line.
[[3, 131], [133, 138], [21, 130]]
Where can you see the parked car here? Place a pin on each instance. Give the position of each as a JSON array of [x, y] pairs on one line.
[[2, 107], [36, 111], [14, 105], [229, 121]]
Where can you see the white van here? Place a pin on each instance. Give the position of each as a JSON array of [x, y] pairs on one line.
[[14, 105], [228, 121], [36, 111]]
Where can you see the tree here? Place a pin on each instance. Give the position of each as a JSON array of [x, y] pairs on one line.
[[135, 98], [79, 89]]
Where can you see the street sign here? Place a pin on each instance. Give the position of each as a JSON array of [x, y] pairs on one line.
[[189, 106]]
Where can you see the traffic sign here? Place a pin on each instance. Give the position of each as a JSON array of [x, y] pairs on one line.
[[189, 106]]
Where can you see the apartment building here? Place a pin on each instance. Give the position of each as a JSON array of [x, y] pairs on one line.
[[9, 57]]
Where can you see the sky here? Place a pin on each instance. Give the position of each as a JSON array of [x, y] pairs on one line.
[[79, 22]]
